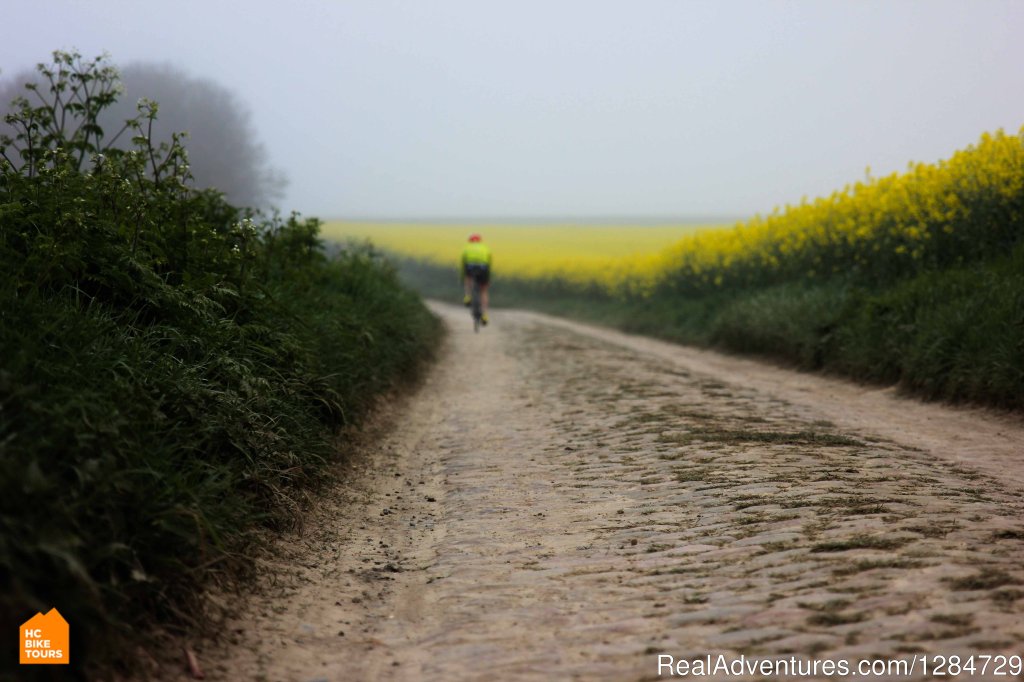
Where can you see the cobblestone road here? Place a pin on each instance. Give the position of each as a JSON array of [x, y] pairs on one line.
[[553, 505]]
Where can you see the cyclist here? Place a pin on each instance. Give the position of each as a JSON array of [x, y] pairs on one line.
[[476, 265]]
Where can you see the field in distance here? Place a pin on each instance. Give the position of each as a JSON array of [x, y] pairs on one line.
[[573, 251]]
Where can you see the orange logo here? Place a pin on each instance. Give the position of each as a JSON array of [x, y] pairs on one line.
[[44, 639]]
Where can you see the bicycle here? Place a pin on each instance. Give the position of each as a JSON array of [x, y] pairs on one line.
[[475, 307], [477, 274]]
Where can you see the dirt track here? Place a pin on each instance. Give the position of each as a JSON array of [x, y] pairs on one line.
[[559, 502]]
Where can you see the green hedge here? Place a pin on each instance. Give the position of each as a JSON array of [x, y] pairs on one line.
[[173, 372]]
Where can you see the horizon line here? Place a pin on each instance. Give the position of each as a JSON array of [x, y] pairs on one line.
[[548, 219]]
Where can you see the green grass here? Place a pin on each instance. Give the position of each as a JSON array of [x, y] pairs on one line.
[[832, 619], [872, 564], [860, 542], [175, 374], [735, 436], [952, 334], [984, 579]]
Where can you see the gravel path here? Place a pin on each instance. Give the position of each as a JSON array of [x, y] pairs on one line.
[[564, 503]]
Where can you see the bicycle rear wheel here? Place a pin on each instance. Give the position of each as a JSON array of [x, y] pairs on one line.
[[474, 306]]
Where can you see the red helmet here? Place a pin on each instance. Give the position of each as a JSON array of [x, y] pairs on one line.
[[474, 237]]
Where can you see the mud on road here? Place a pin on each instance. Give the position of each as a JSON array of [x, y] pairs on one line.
[[563, 503]]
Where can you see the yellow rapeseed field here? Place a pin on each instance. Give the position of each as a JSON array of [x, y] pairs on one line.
[[930, 216], [609, 255]]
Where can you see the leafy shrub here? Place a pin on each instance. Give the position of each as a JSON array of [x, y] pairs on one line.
[[172, 369]]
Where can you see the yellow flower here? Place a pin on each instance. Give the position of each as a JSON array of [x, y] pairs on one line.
[[931, 206]]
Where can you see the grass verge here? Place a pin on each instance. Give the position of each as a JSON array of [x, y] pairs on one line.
[[955, 334], [174, 374]]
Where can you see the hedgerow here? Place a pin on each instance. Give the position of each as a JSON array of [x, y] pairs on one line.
[[173, 370]]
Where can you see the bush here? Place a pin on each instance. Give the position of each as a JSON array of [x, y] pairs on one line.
[[173, 370], [790, 321], [956, 334]]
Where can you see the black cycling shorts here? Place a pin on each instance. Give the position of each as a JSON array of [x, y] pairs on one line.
[[480, 273]]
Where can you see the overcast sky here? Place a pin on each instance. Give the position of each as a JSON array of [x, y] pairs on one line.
[[581, 108]]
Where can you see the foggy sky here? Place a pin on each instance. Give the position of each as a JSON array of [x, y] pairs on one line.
[[582, 108]]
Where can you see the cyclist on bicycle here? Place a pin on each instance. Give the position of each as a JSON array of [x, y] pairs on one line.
[[476, 265]]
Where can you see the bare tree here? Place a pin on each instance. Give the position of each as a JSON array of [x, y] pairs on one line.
[[223, 147]]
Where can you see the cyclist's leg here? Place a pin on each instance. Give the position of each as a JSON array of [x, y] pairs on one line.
[[485, 288], [467, 287]]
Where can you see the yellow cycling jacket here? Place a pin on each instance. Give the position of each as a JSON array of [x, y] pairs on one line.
[[475, 253]]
